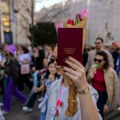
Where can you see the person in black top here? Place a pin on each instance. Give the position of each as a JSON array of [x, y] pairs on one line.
[[12, 70]]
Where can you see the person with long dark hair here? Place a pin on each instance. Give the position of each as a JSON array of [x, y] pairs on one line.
[[24, 59], [104, 79], [38, 76], [50, 76], [99, 46]]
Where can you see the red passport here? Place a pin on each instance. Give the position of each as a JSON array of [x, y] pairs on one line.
[[69, 44]]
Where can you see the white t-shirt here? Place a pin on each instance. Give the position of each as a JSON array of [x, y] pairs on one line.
[[23, 56]]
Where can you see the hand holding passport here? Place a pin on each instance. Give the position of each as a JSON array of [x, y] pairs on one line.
[[70, 42], [72, 38]]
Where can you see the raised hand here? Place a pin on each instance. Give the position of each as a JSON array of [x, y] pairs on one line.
[[76, 72]]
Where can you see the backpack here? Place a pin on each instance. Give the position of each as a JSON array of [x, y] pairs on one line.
[[12, 68]]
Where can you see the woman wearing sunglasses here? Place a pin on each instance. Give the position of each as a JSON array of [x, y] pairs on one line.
[[104, 79]]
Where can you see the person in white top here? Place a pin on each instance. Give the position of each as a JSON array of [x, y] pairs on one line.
[[24, 59], [78, 101]]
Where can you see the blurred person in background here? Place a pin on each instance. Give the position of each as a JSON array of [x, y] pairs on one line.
[[99, 45], [118, 73], [85, 55], [49, 77], [92, 47], [24, 59], [104, 79], [12, 70], [86, 52], [37, 82], [115, 52], [37, 58], [29, 47], [48, 49], [2, 59]]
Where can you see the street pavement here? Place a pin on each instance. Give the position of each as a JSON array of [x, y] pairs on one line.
[[16, 113], [112, 115]]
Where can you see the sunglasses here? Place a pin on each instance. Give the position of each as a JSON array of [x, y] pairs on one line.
[[97, 42], [53, 58], [99, 60]]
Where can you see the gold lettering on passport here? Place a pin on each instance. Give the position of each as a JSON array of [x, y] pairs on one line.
[[70, 51]]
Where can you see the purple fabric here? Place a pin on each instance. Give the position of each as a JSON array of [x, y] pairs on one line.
[[12, 90], [11, 48]]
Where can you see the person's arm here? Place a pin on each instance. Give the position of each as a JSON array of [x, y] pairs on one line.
[[38, 89], [91, 73], [88, 107], [77, 73], [42, 87], [1, 64]]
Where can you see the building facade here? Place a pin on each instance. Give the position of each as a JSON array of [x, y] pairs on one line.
[[20, 17], [103, 19]]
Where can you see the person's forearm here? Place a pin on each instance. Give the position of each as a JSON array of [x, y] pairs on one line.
[[41, 88], [88, 108], [1, 64]]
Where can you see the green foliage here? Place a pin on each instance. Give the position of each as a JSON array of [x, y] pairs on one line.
[[43, 33]]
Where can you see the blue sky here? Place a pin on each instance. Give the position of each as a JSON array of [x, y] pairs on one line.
[[46, 3]]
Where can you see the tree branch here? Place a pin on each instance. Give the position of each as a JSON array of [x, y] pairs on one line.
[[22, 25], [55, 15], [22, 16]]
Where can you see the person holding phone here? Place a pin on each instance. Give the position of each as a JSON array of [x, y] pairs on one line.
[[71, 98], [104, 79]]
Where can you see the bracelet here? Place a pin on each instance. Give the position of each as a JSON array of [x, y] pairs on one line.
[[84, 90]]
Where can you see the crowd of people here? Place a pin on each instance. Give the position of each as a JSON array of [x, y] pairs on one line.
[[65, 92]]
